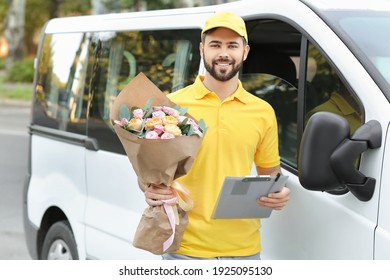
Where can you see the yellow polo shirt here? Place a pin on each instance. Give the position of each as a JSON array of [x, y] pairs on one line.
[[241, 130]]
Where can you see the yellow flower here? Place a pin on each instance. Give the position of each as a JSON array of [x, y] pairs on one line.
[[172, 128], [169, 120], [151, 122], [135, 124]]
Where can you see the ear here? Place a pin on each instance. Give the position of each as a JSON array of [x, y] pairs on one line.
[[201, 47], [246, 51]]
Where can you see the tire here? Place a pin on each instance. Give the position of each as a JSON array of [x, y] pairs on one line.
[[59, 243]]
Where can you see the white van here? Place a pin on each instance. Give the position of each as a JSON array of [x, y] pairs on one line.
[[329, 57]]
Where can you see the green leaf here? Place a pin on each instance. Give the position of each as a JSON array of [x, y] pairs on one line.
[[202, 125], [185, 128], [134, 108], [191, 130], [124, 112], [148, 104], [148, 108], [182, 111]]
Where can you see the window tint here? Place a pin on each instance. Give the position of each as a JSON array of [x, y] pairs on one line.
[[170, 59], [325, 91], [271, 72], [62, 87]]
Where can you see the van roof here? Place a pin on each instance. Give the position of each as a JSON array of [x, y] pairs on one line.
[[324, 5], [155, 19]]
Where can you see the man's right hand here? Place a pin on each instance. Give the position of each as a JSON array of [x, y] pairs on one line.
[[154, 194]]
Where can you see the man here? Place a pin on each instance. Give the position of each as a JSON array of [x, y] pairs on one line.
[[242, 129]]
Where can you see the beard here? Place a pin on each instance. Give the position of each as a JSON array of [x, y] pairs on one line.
[[223, 75]]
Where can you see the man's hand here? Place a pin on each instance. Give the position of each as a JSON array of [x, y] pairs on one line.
[[275, 201], [155, 193]]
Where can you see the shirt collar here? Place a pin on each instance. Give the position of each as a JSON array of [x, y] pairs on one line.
[[202, 91]]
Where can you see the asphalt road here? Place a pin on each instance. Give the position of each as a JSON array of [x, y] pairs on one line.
[[14, 119]]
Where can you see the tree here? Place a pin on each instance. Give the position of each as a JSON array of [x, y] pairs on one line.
[[14, 31], [40, 11]]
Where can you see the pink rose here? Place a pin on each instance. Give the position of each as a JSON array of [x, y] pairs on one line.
[[138, 113], [167, 135], [151, 135], [170, 111], [157, 108], [122, 122], [193, 123], [159, 128], [158, 114]]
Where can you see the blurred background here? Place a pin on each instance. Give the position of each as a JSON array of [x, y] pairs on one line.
[[21, 22]]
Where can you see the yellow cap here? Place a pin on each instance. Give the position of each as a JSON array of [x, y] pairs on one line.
[[226, 20]]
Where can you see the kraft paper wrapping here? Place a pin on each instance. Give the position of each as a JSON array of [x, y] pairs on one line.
[[155, 161]]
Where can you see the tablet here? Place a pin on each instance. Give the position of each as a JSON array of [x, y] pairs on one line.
[[237, 199]]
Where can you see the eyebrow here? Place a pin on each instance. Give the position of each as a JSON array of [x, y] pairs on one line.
[[220, 42]]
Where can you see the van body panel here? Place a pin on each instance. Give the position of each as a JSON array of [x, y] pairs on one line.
[[169, 19], [382, 233], [58, 181], [115, 204]]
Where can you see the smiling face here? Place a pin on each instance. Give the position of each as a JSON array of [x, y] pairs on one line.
[[223, 52]]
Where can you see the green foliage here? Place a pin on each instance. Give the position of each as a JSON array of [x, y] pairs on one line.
[[16, 91], [124, 112], [2, 63], [3, 14], [21, 71]]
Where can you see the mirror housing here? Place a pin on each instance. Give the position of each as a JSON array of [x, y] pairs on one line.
[[328, 154]]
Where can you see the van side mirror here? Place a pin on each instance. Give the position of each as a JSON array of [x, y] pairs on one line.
[[328, 154]]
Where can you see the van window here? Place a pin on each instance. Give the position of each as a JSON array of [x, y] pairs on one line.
[[169, 58], [270, 72], [62, 87], [325, 91]]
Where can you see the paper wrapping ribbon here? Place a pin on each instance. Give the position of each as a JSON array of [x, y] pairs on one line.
[[183, 199]]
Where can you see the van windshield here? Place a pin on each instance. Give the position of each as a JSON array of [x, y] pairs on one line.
[[367, 34]]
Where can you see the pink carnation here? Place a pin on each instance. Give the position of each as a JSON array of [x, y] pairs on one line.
[[167, 135], [122, 122], [170, 111], [193, 123], [157, 108], [138, 113], [158, 114], [151, 135], [159, 129]]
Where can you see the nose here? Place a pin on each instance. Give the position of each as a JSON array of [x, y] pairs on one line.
[[224, 53]]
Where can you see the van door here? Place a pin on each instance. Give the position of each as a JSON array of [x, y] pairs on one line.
[[382, 232], [170, 59], [298, 78]]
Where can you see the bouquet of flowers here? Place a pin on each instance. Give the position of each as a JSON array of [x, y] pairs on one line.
[[158, 122], [149, 124]]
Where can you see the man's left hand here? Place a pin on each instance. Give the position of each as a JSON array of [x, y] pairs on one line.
[[275, 201]]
